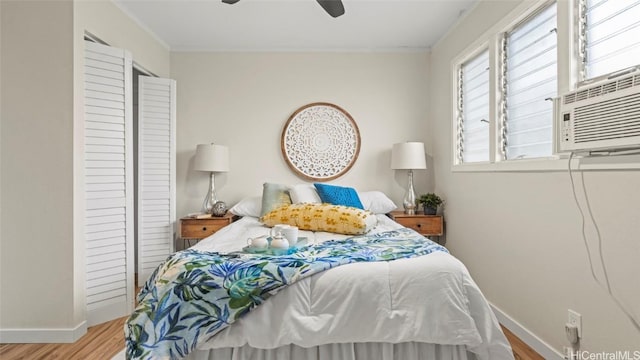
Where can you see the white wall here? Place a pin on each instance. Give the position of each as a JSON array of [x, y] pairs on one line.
[[106, 21], [243, 100], [520, 233], [37, 169], [42, 208]]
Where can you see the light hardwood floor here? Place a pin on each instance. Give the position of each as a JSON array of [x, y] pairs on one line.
[[100, 342], [106, 340]]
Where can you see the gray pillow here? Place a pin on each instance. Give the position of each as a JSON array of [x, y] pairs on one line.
[[274, 196]]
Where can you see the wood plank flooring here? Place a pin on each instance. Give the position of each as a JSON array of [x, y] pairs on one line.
[[105, 340], [102, 341], [521, 351]]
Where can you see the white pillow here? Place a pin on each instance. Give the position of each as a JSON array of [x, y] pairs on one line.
[[250, 206], [376, 202], [304, 193]]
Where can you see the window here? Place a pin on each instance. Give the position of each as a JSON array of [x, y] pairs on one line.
[[506, 79], [530, 70], [609, 36], [473, 109]]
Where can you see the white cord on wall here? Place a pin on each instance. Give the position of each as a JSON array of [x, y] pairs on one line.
[[607, 284]]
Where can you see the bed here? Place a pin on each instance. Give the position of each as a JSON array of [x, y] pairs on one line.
[[424, 306]]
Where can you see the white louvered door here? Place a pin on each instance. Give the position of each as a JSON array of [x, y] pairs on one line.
[[156, 172], [108, 183]]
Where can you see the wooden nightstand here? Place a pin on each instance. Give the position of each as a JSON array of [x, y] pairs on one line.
[[198, 229], [427, 225]]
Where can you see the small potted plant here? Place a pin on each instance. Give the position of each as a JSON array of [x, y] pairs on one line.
[[430, 202]]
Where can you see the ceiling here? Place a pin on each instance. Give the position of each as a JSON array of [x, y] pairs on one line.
[[296, 25]]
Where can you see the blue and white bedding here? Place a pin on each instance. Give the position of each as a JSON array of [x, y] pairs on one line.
[[422, 298], [193, 295]]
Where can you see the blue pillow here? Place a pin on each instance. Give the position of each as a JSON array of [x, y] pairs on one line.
[[338, 195]]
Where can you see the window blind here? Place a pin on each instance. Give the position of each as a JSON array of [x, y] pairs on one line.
[[609, 36], [529, 81], [473, 109]]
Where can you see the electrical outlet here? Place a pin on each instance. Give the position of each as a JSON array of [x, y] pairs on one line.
[[575, 319]]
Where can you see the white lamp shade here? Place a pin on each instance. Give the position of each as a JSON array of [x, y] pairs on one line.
[[211, 157], [408, 156]]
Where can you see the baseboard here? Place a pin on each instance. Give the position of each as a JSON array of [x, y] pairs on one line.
[[545, 350], [44, 336]]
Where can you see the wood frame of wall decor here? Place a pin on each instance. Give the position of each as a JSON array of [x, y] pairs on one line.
[[320, 141]]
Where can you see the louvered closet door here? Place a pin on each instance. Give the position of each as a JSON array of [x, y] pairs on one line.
[[108, 183], [156, 172]]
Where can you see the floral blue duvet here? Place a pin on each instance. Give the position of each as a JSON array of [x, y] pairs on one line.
[[195, 294]]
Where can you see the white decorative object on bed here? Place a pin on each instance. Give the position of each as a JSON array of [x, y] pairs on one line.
[[304, 193], [418, 307]]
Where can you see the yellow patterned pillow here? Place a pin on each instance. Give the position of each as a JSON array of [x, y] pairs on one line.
[[322, 217]]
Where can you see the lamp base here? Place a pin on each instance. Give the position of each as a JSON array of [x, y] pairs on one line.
[[211, 199], [410, 211], [409, 201]]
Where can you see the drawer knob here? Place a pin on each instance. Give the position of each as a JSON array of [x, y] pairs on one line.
[[204, 228], [419, 225]]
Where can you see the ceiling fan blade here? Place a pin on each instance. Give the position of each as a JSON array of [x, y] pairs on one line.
[[332, 7], [230, 1]]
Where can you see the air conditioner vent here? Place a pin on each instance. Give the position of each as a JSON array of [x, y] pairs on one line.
[[582, 95], [609, 88], [625, 83], [602, 89], [596, 91], [569, 98], [612, 119]]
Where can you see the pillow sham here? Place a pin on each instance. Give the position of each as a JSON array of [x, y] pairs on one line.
[[304, 193], [250, 206], [338, 195], [322, 217], [376, 202], [273, 196]]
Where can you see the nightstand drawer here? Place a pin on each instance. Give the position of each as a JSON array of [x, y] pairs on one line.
[[428, 225], [192, 228], [201, 228], [423, 225]]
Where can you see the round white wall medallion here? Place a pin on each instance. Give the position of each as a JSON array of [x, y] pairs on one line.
[[320, 141]]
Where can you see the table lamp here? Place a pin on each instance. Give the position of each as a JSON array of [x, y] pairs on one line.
[[408, 156], [212, 158]]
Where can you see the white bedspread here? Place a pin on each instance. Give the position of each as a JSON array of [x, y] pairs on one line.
[[430, 299]]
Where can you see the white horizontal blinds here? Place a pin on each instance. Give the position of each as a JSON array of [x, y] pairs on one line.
[[474, 109], [531, 80], [610, 32], [108, 183], [156, 172]]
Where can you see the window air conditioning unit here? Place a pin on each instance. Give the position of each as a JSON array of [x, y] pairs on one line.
[[600, 117]]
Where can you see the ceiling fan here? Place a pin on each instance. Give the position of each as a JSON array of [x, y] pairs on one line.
[[332, 7]]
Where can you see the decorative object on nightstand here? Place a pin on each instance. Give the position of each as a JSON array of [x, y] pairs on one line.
[[427, 225], [430, 203], [198, 228], [219, 208], [408, 156], [212, 158]]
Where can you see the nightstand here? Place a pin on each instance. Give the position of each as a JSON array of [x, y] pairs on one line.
[[198, 229], [427, 225]]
